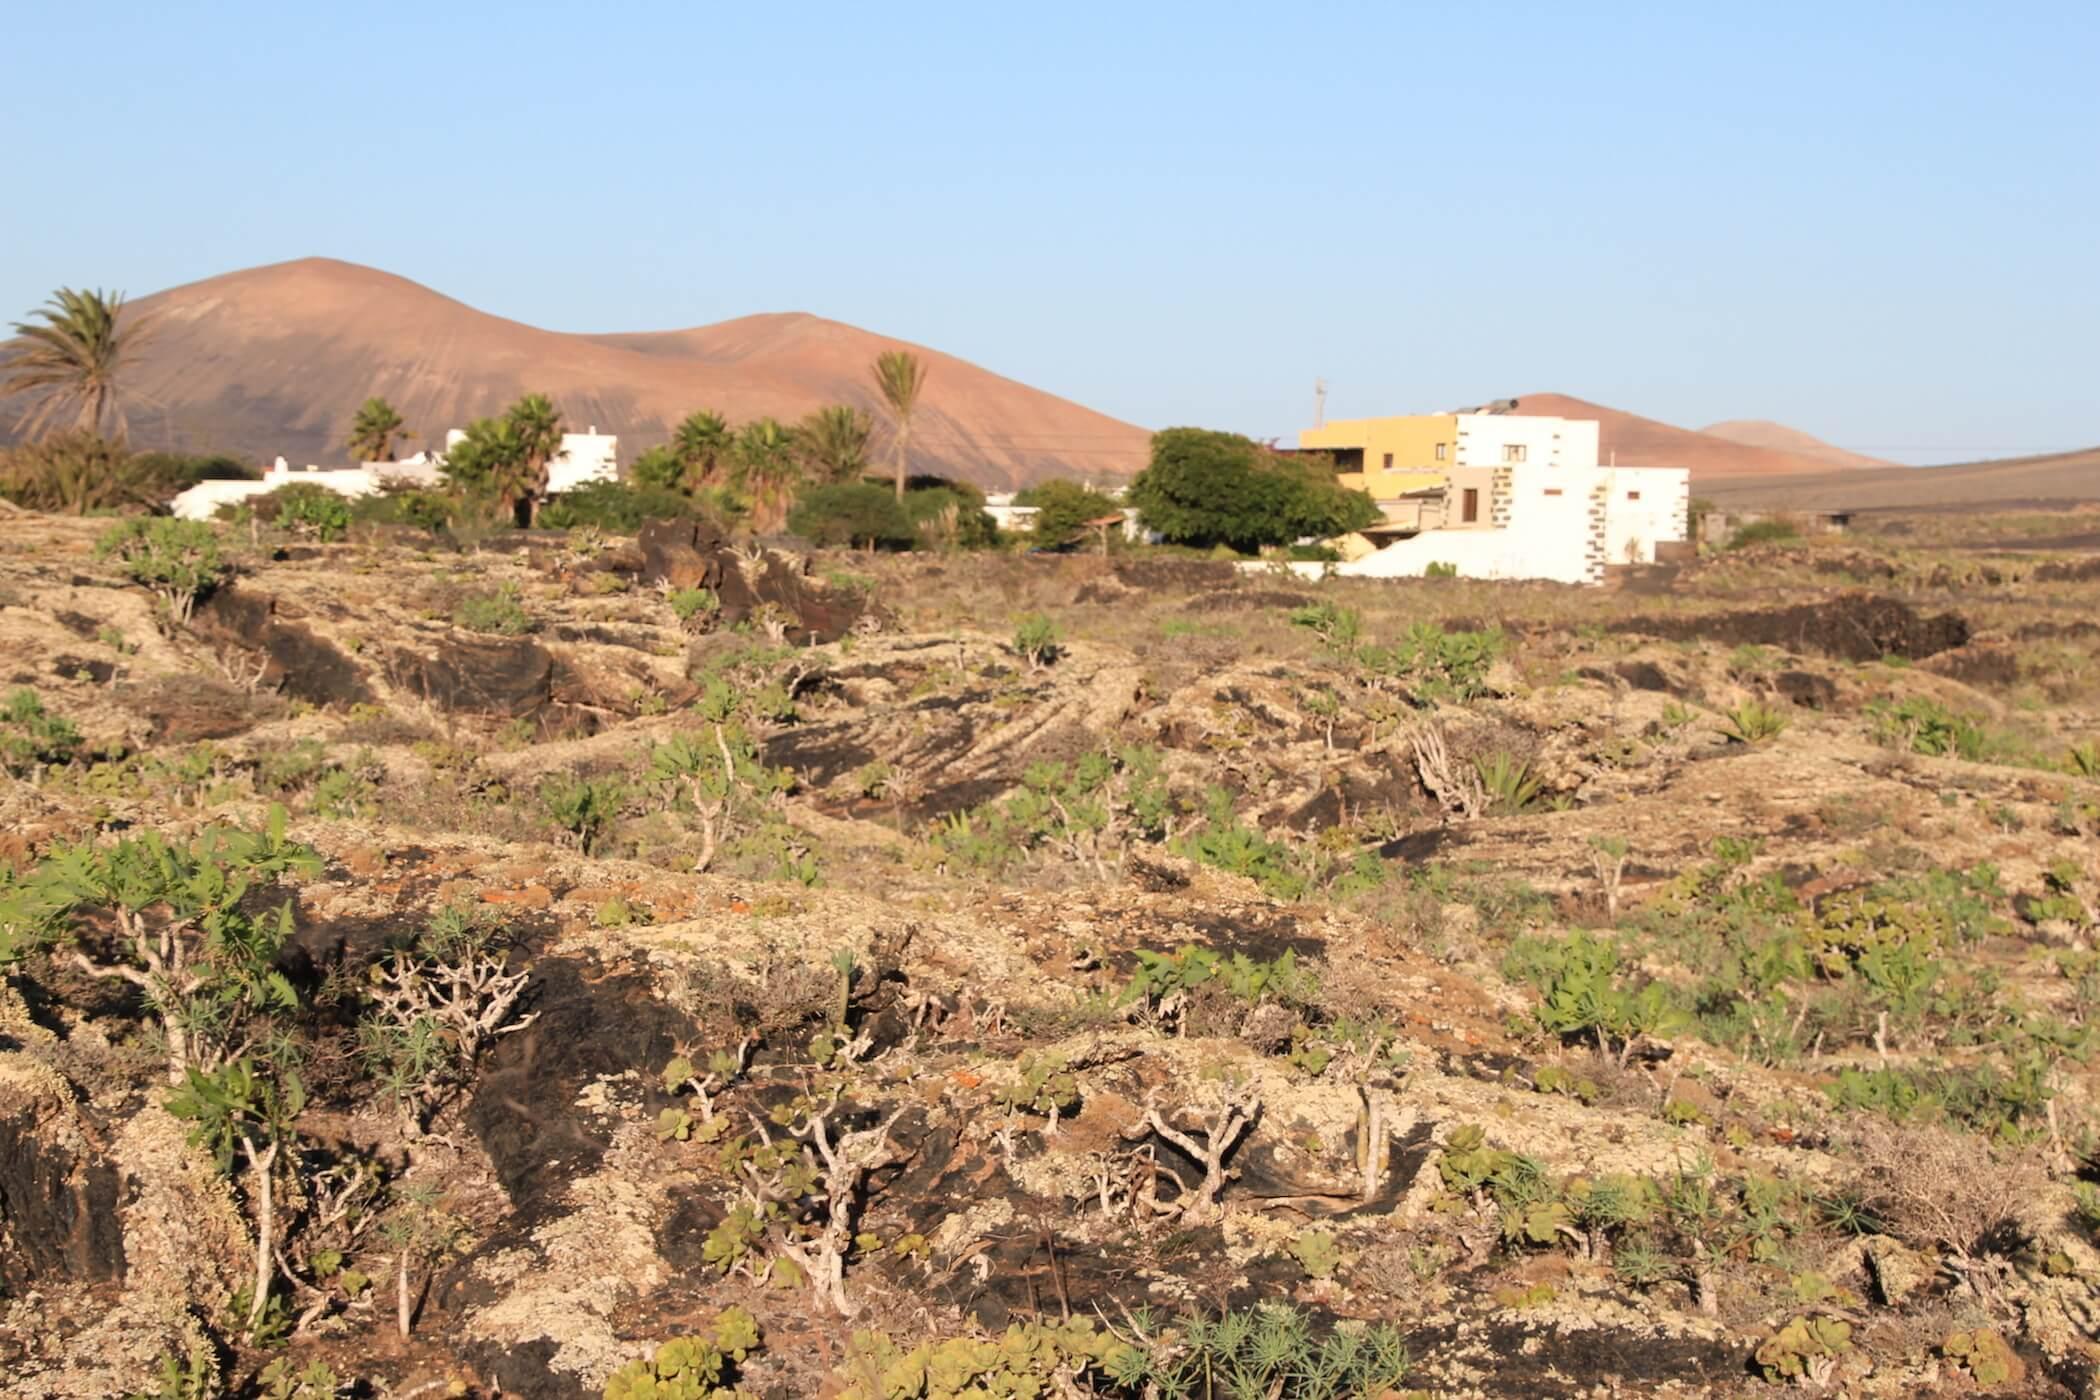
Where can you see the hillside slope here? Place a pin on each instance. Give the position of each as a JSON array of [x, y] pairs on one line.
[[1761, 432], [275, 359], [2054, 479], [1635, 441]]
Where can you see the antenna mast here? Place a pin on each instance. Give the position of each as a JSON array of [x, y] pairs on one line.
[[1319, 403]]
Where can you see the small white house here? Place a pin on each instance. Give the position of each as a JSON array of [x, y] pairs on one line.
[[584, 457], [1524, 497]]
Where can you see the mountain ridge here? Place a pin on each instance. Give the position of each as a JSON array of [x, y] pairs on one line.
[[275, 359]]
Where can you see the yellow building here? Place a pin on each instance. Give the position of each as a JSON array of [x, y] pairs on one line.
[[1389, 457]]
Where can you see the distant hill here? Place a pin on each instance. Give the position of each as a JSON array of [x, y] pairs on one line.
[[1759, 432], [1635, 441], [275, 360], [2058, 478]]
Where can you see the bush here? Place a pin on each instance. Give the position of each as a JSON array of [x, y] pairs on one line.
[[73, 472], [1063, 509], [306, 509], [615, 506], [32, 737], [501, 613], [1209, 488], [856, 513], [398, 503], [177, 559], [1035, 639], [950, 516], [1764, 532]]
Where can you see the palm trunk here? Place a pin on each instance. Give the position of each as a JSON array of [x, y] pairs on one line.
[[903, 450]]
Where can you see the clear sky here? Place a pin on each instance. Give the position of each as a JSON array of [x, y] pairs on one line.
[[1877, 222]]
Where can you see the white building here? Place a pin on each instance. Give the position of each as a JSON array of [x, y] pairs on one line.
[[584, 457], [1526, 498]]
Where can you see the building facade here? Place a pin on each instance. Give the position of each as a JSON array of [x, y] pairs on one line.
[[1516, 496]]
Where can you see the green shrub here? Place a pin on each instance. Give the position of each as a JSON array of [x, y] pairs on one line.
[[1508, 781], [617, 507], [501, 612], [31, 737], [1764, 532], [1063, 508], [950, 515], [859, 514], [1754, 721], [1438, 664], [1440, 570], [582, 806], [1338, 627], [1225, 842], [1582, 992], [304, 508], [177, 559], [1035, 640], [694, 607], [1207, 488], [692, 1368], [1925, 726], [396, 502]]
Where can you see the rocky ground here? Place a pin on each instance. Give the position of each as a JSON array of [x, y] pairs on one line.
[[1000, 975]]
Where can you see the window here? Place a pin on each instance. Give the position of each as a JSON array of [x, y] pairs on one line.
[[1469, 507], [1440, 450], [1553, 490], [1633, 495], [1512, 451], [1388, 461]]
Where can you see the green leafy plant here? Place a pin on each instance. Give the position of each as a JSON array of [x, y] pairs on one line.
[[1508, 782], [1806, 1349], [700, 1367], [583, 806], [1035, 641], [181, 933], [1984, 1354], [178, 560], [501, 613], [1583, 994], [307, 510], [1754, 722], [1764, 532], [31, 737], [695, 608]]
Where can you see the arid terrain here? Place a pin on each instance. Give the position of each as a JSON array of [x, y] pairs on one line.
[[985, 974]]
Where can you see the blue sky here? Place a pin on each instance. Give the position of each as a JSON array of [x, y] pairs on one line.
[[1877, 222]]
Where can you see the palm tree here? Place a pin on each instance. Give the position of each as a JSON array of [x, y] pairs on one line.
[[833, 442], [536, 423], [71, 363], [374, 432], [900, 376], [488, 459], [766, 471], [702, 443]]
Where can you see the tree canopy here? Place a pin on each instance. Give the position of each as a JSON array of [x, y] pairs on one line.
[[851, 513], [1064, 507], [1209, 488]]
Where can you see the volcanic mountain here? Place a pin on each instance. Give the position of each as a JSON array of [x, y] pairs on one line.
[[275, 359], [1759, 432], [1634, 441]]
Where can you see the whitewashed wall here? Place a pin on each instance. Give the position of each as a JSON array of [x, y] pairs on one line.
[[1647, 506]]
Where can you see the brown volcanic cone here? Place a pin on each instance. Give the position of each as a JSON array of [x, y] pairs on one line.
[[276, 359], [1760, 432], [1643, 442]]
